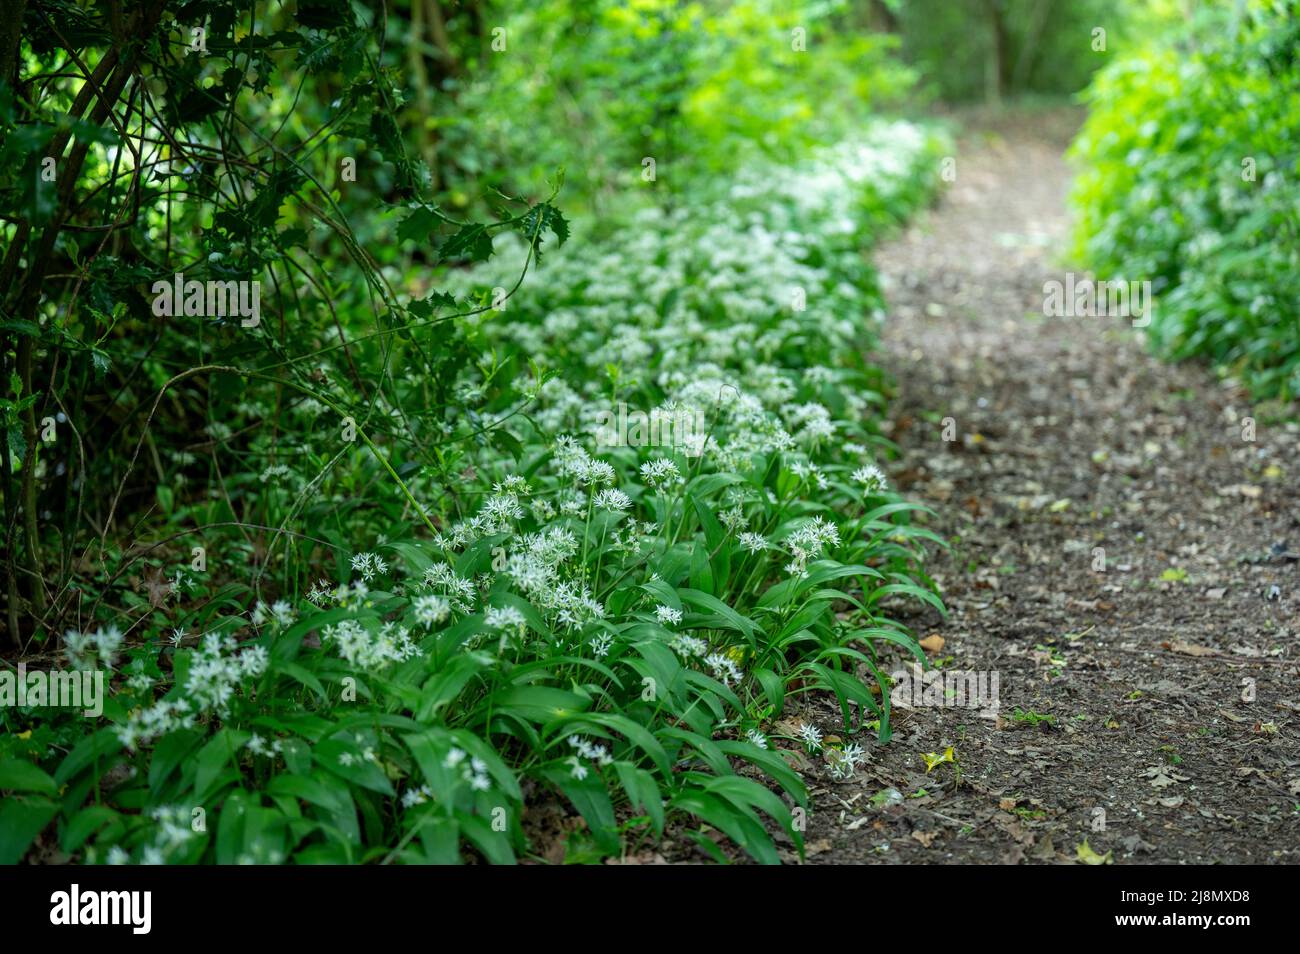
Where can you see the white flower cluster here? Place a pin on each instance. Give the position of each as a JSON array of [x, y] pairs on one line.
[[499, 513], [743, 310], [443, 579], [667, 615], [845, 761], [356, 593], [586, 750], [723, 668], [280, 611], [368, 565], [504, 618], [808, 541], [573, 461], [369, 646], [872, 479], [811, 735], [688, 646], [258, 746], [537, 567], [416, 796], [93, 650], [472, 770], [216, 669], [172, 830], [430, 609]]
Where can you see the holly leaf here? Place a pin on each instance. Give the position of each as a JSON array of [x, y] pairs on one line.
[[471, 243], [540, 219], [424, 309], [418, 224]]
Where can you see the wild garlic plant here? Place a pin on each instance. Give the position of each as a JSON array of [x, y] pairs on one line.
[[615, 623]]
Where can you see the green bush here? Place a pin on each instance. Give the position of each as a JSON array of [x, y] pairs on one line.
[[1191, 158], [598, 87]]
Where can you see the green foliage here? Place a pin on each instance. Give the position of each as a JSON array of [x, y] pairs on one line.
[[1190, 182], [625, 649], [598, 87], [989, 49], [271, 157], [375, 576]]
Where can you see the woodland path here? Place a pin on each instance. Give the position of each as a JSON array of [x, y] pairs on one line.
[[1171, 678]]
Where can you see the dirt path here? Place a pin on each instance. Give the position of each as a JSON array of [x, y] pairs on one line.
[[1171, 676]]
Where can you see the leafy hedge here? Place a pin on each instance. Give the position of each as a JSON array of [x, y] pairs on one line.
[[1191, 180], [618, 625]]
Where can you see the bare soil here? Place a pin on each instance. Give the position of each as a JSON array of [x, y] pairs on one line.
[[1150, 707]]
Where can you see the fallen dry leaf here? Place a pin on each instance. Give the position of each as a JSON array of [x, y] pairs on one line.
[[1163, 776], [1189, 649], [1044, 849], [1087, 856], [933, 643]]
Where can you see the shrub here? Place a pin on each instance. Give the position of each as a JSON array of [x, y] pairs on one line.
[[1189, 181]]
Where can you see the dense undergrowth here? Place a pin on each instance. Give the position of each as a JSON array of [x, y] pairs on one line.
[[621, 623], [573, 523], [1191, 180]]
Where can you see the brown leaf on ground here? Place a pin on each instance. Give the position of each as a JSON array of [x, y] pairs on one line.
[[933, 643], [1189, 649]]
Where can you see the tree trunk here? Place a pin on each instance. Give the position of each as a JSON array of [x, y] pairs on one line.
[[999, 75]]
